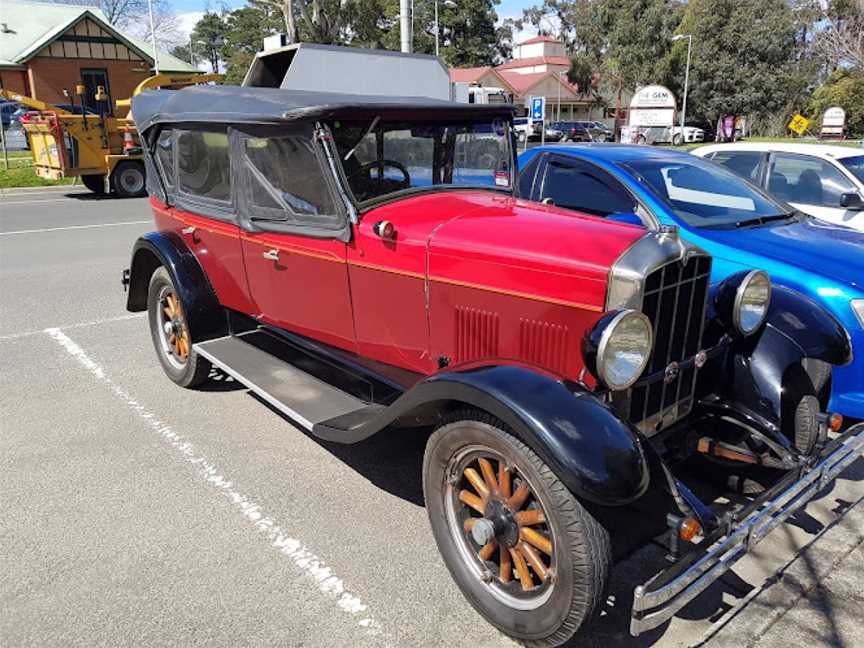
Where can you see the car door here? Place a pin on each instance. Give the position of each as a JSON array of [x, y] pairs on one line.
[[575, 184], [294, 233], [812, 185]]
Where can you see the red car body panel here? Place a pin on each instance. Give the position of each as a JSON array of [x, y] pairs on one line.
[[216, 245], [451, 287]]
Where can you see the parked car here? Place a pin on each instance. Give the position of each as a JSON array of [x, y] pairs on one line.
[[825, 181], [520, 128], [7, 110], [739, 225], [362, 262], [608, 133], [553, 134], [583, 131], [690, 134]]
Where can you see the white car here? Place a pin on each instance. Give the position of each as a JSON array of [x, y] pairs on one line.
[[691, 134], [824, 181]]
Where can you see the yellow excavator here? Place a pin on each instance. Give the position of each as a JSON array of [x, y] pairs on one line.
[[104, 151]]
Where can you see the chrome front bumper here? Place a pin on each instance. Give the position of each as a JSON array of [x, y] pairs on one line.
[[661, 597]]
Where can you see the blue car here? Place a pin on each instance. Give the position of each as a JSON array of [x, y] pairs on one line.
[[737, 223]]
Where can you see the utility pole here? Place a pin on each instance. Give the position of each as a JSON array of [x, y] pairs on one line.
[[689, 38], [153, 38], [405, 35]]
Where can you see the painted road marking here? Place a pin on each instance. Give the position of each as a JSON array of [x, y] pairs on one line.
[[74, 227], [305, 560], [107, 320]]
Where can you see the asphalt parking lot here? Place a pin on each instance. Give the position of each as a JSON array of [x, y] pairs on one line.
[[139, 513]]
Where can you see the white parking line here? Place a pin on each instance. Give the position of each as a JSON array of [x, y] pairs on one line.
[[23, 334], [74, 227], [307, 562]]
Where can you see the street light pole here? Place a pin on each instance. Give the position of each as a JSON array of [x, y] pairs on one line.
[[689, 38], [153, 37], [450, 5]]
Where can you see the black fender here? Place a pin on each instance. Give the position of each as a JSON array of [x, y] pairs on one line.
[[795, 328], [596, 455], [204, 315]]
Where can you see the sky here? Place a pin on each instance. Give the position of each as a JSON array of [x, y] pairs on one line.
[[190, 11]]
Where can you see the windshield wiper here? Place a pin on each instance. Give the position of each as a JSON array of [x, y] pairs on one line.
[[764, 219]]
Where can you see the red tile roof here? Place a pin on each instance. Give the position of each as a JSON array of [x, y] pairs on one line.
[[539, 39], [535, 60], [467, 75], [521, 83]]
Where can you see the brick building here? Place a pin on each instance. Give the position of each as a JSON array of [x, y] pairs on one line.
[[48, 48]]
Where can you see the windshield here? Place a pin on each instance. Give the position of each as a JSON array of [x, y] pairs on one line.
[[855, 165], [380, 158], [704, 194]]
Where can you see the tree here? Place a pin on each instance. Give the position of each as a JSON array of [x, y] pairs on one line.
[[748, 58], [245, 30], [844, 89], [208, 37], [841, 40]]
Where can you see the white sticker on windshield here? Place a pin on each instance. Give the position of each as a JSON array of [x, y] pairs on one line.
[[699, 197]]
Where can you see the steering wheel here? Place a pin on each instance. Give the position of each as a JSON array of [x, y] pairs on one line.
[[380, 185]]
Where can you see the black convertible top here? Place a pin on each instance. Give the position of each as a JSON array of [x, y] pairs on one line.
[[247, 105]]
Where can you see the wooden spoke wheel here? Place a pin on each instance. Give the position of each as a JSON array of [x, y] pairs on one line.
[[501, 525], [175, 334], [523, 550], [171, 333]]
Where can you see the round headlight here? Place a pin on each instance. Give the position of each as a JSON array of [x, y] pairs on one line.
[[751, 302], [624, 348]]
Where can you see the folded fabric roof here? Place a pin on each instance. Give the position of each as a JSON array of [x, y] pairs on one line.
[[249, 105]]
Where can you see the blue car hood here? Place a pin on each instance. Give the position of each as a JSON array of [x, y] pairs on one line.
[[831, 251]]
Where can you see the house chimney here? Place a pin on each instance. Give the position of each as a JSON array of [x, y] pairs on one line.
[[5, 28]]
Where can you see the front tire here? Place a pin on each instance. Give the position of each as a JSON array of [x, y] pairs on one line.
[[486, 491], [95, 183], [170, 333]]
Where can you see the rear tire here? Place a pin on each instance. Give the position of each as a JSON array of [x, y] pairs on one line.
[[677, 139], [178, 358], [95, 183], [129, 179], [555, 605]]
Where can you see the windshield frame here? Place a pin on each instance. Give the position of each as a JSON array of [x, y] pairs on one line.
[[859, 159], [363, 206], [784, 209]]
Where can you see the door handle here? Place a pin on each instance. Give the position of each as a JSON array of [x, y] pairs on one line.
[[547, 201], [189, 230], [271, 255]]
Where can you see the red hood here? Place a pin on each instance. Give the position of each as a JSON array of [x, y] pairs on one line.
[[523, 248]]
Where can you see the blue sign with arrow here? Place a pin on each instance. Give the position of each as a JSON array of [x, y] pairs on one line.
[[538, 108]]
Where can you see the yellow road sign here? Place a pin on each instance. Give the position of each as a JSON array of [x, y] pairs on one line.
[[799, 124]]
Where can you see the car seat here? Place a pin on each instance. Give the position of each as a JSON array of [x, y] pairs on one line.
[[809, 188]]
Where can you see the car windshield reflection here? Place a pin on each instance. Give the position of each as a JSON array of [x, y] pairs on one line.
[[703, 194]]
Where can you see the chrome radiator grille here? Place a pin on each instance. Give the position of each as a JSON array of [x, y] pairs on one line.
[[674, 300]]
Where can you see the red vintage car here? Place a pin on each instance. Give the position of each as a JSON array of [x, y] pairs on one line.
[[361, 262]]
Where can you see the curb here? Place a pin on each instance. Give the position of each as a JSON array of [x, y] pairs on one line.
[[765, 605]]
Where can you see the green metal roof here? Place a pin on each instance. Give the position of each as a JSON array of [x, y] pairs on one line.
[[33, 25]]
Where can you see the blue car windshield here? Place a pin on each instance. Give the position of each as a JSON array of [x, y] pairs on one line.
[[704, 194], [855, 165]]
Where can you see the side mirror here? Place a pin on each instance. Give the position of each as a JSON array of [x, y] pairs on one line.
[[852, 201]]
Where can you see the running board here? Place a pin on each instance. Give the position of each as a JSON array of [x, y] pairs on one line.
[[309, 401]]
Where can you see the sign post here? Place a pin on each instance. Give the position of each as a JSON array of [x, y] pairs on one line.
[[538, 113]]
